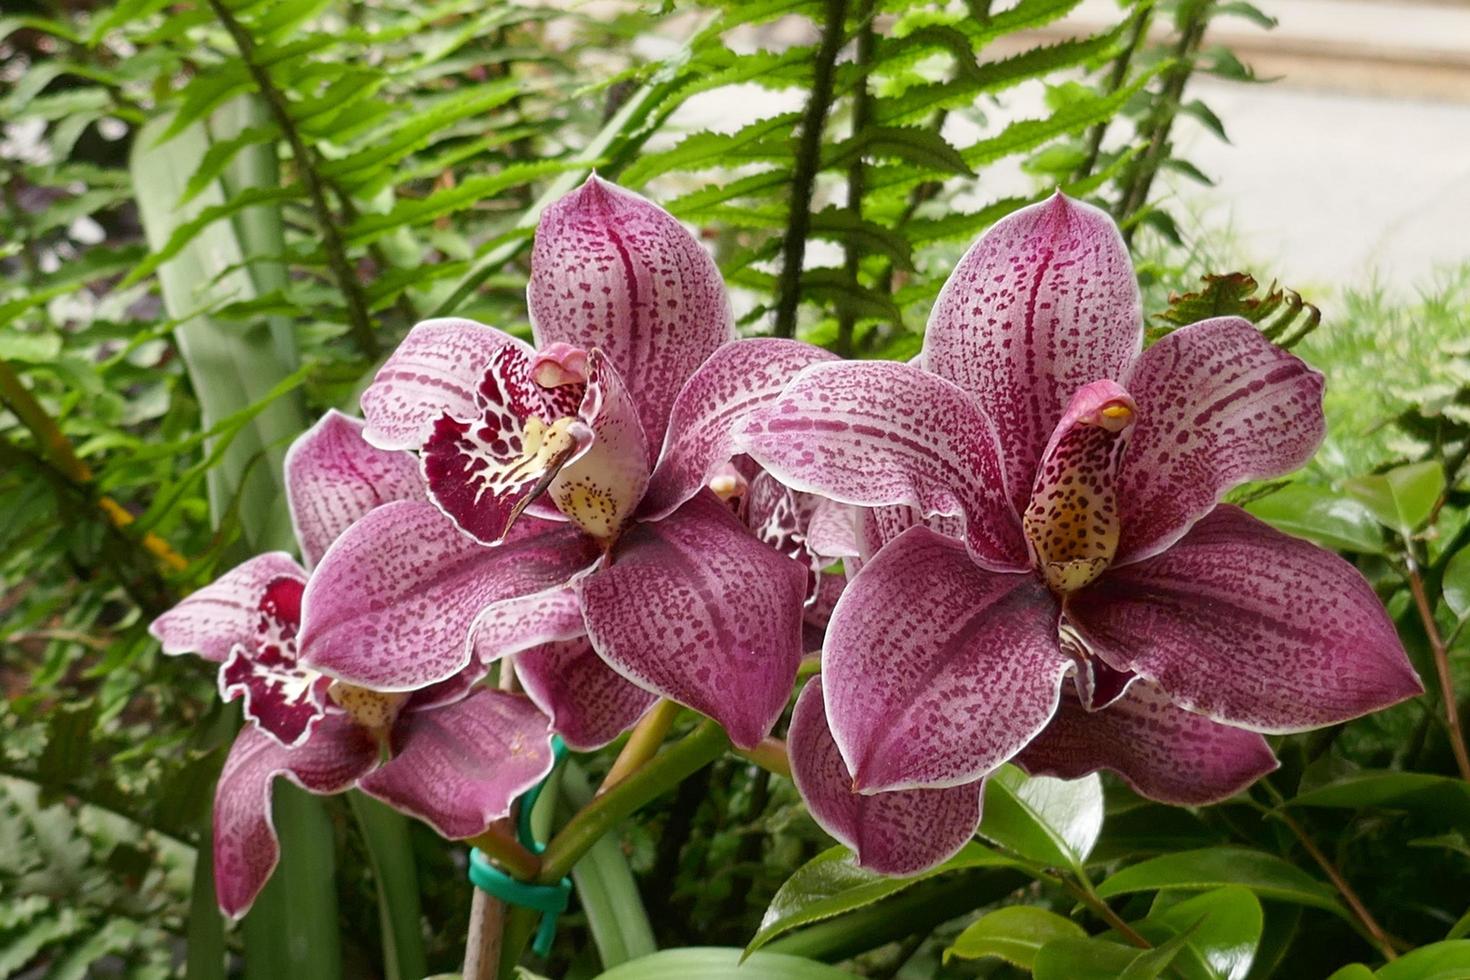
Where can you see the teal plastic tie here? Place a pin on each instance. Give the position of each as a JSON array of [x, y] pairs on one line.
[[549, 900]]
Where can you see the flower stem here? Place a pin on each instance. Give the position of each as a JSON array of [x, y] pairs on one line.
[[804, 172], [770, 755], [498, 844], [1084, 892], [1442, 668], [647, 736]]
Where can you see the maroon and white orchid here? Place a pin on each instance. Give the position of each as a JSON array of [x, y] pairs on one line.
[[452, 755], [634, 349], [1083, 479]]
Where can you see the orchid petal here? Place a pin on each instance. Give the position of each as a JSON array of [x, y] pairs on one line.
[[611, 270], [900, 833], [213, 620], [436, 371], [522, 622], [876, 526], [282, 697], [737, 379], [485, 467], [245, 845], [1164, 752], [334, 476], [390, 606], [589, 703], [1250, 627], [695, 608], [873, 433], [459, 767], [1218, 404], [937, 670], [1045, 302]]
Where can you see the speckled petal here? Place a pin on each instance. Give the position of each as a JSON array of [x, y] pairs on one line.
[[900, 833], [1045, 302], [334, 476], [611, 270], [1218, 405], [936, 670], [1164, 752], [873, 433], [224, 613], [589, 703], [459, 767], [434, 372], [483, 469], [736, 380], [390, 606], [695, 608], [1250, 627], [521, 622], [281, 697], [245, 846]]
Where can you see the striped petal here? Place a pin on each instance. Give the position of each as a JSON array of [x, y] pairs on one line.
[[334, 476], [1044, 303], [224, 614], [1218, 405], [281, 696], [936, 670], [590, 704], [613, 271], [1250, 627], [899, 833]]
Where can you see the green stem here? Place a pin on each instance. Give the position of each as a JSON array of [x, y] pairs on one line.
[[856, 171], [352, 294], [1085, 893], [508, 853], [1116, 77], [1442, 668], [804, 174], [642, 744], [770, 755]]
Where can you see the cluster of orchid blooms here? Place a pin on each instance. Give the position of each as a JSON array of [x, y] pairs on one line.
[[1011, 548]]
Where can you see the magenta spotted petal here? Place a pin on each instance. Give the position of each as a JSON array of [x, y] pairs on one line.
[[1044, 303], [334, 476], [391, 604], [874, 433], [436, 371], [281, 696], [590, 704], [899, 833], [213, 620], [459, 767], [615, 272], [1164, 752], [1218, 404], [1248, 626], [936, 670], [735, 381], [521, 622], [695, 608], [245, 845]]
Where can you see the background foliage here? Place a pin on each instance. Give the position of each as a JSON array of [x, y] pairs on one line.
[[218, 216]]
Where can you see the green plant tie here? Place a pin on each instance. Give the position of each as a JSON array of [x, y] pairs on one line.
[[549, 900]]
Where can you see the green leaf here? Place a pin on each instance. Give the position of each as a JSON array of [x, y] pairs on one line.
[[923, 147], [385, 832], [717, 963], [1224, 929], [205, 954], [831, 884], [1461, 928], [291, 931], [1215, 867], [606, 888], [1449, 960], [1015, 934], [1353, 971], [1326, 517], [1052, 821], [1456, 587], [1404, 497], [1084, 959], [1428, 794]]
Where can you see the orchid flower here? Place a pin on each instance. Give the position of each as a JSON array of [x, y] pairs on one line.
[[457, 757], [1082, 479], [672, 595]]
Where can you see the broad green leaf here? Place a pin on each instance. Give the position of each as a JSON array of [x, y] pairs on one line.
[[1353, 971], [1015, 934], [1215, 867], [1457, 584], [1448, 960], [385, 832], [29, 348], [1052, 821], [1320, 515], [1461, 928], [1224, 928], [1432, 795], [205, 951], [1084, 959], [291, 931], [718, 963], [606, 888], [831, 884], [1404, 497]]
